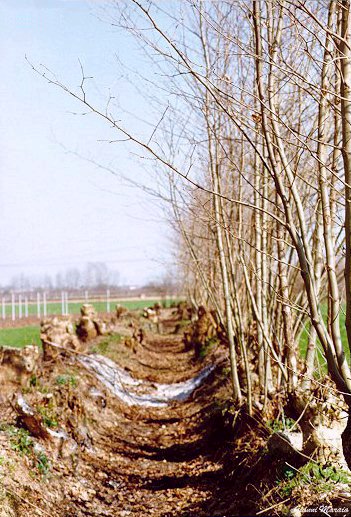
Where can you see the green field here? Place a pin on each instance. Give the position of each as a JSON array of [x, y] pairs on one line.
[[19, 337], [22, 336]]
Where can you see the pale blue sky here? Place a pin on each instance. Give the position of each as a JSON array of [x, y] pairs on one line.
[[57, 210]]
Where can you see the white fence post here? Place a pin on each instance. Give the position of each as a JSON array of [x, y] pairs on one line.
[[62, 303], [108, 304], [3, 308], [20, 306], [13, 307], [66, 300], [38, 305], [45, 313], [26, 307]]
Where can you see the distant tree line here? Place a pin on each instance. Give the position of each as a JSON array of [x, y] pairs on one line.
[[95, 275]]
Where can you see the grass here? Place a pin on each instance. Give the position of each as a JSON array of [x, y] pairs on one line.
[[20, 440], [109, 346], [23, 443], [20, 336], [319, 478], [280, 425], [67, 380], [48, 415]]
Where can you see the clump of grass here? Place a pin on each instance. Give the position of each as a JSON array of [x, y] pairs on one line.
[[20, 440], [280, 425], [33, 381], [317, 477], [107, 345], [101, 348], [43, 464], [23, 443], [35, 384], [48, 415], [67, 380], [209, 345]]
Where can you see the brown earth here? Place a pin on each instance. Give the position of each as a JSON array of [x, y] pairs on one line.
[[129, 460], [23, 322]]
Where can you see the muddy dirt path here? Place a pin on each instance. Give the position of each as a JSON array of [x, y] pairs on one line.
[[157, 461], [131, 459]]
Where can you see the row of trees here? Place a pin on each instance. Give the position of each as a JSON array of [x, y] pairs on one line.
[[95, 275], [254, 140]]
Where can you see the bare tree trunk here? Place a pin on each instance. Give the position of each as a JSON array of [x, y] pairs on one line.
[[345, 49], [289, 344], [324, 122], [345, 55], [227, 297]]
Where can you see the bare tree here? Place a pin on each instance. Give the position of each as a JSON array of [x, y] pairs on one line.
[[255, 146]]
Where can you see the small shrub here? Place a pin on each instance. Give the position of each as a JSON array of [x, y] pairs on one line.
[[22, 442], [225, 371], [223, 410], [43, 389]]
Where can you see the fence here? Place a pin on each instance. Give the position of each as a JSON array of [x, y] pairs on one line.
[[16, 306], [19, 306]]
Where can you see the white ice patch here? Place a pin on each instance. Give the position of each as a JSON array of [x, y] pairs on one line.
[[25, 407], [58, 434], [130, 390]]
